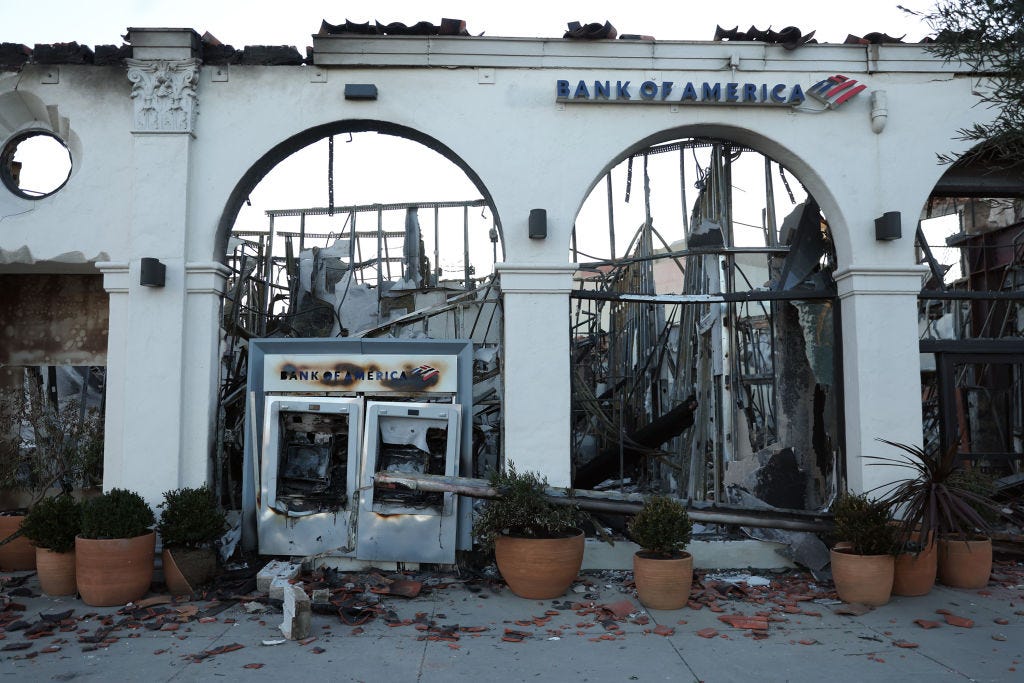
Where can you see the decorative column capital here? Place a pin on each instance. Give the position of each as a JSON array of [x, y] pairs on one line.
[[164, 95]]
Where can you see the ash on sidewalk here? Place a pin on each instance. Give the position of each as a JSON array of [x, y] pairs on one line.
[[424, 626]]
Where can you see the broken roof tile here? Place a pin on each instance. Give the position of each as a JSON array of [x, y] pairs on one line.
[[271, 55], [62, 53], [13, 56], [790, 37], [111, 55], [594, 31]]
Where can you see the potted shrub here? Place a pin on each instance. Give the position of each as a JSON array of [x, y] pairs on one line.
[[189, 524], [862, 563], [536, 545], [114, 551], [51, 525], [935, 499], [662, 570]]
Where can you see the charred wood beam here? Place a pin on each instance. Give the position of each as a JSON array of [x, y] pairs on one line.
[[637, 445], [613, 502]]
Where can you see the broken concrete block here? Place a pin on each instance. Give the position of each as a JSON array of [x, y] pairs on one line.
[[298, 616], [321, 596], [278, 588], [276, 569]]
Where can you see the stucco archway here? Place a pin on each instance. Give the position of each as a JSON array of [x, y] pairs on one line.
[[405, 306], [760, 377]]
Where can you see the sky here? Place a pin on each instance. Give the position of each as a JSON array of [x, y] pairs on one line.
[[292, 22]]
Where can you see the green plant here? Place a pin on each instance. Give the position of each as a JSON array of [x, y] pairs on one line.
[[190, 518], [864, 524], [53, 523], [521, 510], [662, 526], [935, 497], [116, 514]]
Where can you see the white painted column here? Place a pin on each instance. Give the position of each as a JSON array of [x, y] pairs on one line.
[[148, 411], [881, 367], [204, 286], [116, 282], [537, 378]]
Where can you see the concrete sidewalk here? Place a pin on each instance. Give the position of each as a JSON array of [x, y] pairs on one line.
[[460, 629]]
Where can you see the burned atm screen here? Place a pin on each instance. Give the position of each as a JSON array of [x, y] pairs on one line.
[[313, 461], [410, 446]]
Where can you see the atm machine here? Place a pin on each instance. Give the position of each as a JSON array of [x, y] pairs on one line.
[[325, 415]]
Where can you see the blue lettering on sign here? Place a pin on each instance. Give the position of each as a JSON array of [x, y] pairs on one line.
[[709, 93], [706, 92]]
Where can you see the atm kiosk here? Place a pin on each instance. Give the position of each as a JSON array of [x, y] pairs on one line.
[[324, 416]]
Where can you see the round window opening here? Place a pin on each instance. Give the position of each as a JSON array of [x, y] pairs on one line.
[[34, 165]]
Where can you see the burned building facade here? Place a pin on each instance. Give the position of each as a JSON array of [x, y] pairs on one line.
[[167, 138]]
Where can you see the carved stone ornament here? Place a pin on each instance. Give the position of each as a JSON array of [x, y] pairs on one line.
[[164, 95]]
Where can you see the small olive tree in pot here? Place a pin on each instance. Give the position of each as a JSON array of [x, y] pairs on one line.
[[537, 546]]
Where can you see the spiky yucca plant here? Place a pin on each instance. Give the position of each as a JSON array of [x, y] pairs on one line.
[[934, 497]]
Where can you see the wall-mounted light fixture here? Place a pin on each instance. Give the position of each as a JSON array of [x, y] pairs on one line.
[[538, 224], [888, 226], [360, 91], [152, 273]]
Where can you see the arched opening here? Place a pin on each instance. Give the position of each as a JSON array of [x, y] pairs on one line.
[[970, 235], [704, 330], [359, 229]]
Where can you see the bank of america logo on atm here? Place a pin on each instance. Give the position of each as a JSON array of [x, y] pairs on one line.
[[426, 372], [835, 90]]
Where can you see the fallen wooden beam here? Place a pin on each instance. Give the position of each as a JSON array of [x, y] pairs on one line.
[[613, 502]]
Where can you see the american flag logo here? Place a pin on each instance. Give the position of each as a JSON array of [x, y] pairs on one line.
[[835, 90], [426, 372]]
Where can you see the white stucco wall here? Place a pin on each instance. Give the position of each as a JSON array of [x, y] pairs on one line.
[[490, 102]]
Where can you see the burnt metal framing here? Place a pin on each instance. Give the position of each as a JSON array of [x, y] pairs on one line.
[[951, 353]]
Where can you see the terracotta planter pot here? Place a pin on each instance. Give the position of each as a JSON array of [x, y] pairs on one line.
[[114, 571], [186, 570], [965, 563], [915, 574], [866, 579], [662, 583], [539, 568], [18, 555], [56, 572]]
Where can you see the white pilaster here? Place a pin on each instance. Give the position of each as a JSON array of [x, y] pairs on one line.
[[881, 367], [537, 377]]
